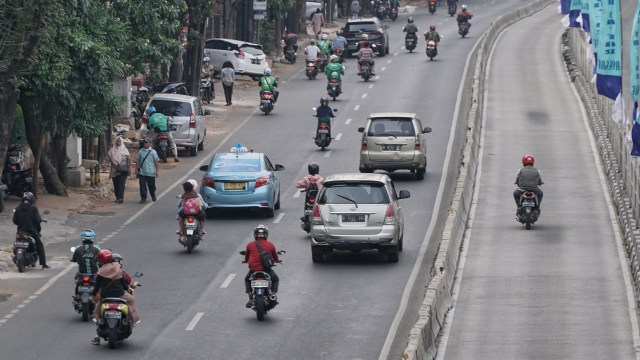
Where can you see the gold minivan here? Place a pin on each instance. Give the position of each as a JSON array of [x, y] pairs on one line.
[[394, 141]]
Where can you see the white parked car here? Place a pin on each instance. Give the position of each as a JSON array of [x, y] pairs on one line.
[[247, 58]]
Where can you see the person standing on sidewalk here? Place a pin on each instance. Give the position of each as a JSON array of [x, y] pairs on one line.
[[228, 77], [120, 160], [355, 9], [27, 217], [147, 170]]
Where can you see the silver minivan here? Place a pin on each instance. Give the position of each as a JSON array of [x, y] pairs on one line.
[[186, 119], [356, 212]]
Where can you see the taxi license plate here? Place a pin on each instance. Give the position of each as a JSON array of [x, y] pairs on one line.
[[85, 288], [21, 244], [234, 186], [255, 61], [352, 218], [113, 314], [391, 147], [259, 283]]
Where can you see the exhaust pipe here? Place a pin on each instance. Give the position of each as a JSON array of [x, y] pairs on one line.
[[273, 297]]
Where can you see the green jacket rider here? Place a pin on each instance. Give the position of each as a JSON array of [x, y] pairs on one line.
[[325, 45], [269, 83]]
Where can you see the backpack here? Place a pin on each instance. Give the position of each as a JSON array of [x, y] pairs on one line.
[[312, 190], [191, 206], [265, 257]]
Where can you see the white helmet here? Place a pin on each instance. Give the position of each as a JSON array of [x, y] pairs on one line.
[[194, 183], [206, 60], [464, 7], [365, 37], [325, 36], [267, 72]]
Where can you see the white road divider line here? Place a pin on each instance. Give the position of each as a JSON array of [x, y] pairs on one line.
[[33, 297], [297, 194], [377, 77], [15, 311], [327, 154], [383, 68], [371, 86], [26, 301], [355, 108], [348, 121], [194, 322], [21, 306], [339, 136], [55, 278], [389, 62], [227, 281], [8, 316], [396, 54], [278, 218], [364, 95]]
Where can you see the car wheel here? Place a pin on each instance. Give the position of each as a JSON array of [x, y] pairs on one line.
[[270, 212], [277, 205], [382, 52], [420, 173], [317, 256], [393, 254], [201, 144], [401, 242], [193, 151]]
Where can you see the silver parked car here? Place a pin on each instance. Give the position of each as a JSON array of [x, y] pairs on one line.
[[356, 212], [186, 119]]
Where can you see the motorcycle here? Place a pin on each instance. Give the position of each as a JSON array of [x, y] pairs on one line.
[[115, 323], [323, 132], [81, 300], [334, 88], [463, 28], [340, 54], [311, 70], [162, 146], [290, 54], [365, 71], [432, 7], [24, 251], [321, 62], [266, 102], [205, 90], [410, 41], [381, 11], [528, 210], [393, 15], [192, 234], [432, 49], [262, 298], [17, 179], [453, 8], [309, 201]]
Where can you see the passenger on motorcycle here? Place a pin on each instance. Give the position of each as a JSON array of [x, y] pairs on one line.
[[160, 123], [110, 283], [269, 83], [254, 259], [334, 70], [464, 16], [190, 204], [432, 34], [365, 55], [290, 41], [117, 258], [27, 218], [528, 178], [207, 73], [411, 29], [86, 256]]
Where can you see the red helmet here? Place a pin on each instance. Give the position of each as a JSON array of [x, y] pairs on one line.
[[528, 160], [432, 27], [104, 256]]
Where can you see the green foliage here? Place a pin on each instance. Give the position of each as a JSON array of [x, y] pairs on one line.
[[266, 36]]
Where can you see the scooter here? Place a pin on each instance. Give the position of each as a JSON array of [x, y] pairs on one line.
[[290, 54], [24, 252], [309, 201], [323, 132], [463, 29], [205, 90], [263, 299], [365, 71], [528, 210], [162, 146], [432, 7], [17, 179], [115, 323], [191, 225], [334, 87], [321, 62], [81, 300], [393, 15], [266, 102], [340, 54], [311, 70], [453, 8], [410, 41], [432, 49]]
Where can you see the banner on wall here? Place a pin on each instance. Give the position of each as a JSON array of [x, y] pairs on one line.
[[586, 25], [595, 16], [634, 80], [609, 51], [564, 6], [574, 13]]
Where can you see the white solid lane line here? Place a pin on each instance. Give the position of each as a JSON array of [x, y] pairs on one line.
[[277, 220], [194, 321], [227, 281], [356, 108], [327, 154], [364, 95], [339, 136], [348, 121]]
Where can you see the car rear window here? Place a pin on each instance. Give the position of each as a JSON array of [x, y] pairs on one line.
[[235, 165], [349, 192], [391, 127], [252, 49], [171, 107], [368, 26]]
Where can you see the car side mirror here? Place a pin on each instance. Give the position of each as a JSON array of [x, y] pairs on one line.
[[360, 129], [426, 130], [204, 168], [207, 112], [279, 167], [404, 194]]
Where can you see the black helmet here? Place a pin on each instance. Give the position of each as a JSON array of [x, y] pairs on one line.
[[29, 197], [261, 231], [410, 20], [432, 27], [314, 169], [324, 100]]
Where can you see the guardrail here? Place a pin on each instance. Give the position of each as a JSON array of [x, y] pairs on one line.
[[438, 301]]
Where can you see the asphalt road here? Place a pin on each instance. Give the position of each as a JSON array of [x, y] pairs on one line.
[[192, 306], [560, 290]]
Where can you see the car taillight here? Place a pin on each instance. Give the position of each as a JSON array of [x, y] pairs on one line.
[[192, 121], [376, 33], [390, 216], [417, 142], [240, 54], [364, 144], [262, 181], [208, 182], [317, 218]]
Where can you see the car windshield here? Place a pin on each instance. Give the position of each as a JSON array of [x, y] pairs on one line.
[[171, 107], [364, 26], [235, 165], [351, 192], [391, 127], [252, 49]]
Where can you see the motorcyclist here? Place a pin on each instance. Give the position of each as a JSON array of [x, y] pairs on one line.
[[190, 193], [339, 43], [269, 83], [324, 112], [110, 283], [464, 16], [324, 45], [27, 217], [290, 41], [312, 51], [411, 29], [254, 259], [528, 179], [313, 178], [364, 38], [86, 255], [334, 70], [432, 34], [158, 123], [207, 73], [366, 55]]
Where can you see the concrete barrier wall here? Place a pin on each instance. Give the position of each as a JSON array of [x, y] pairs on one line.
[[437, 301]]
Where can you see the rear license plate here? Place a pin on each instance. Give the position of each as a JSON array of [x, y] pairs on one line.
[[21, 244], [323, 131], [352, 218], [528, 203], [234, 186], [391, 147], [113, 314], [164, 143], [266, 102], [85, 288], [29, 179], [173, 127], [255, 61], [190, 226], [259, 283]]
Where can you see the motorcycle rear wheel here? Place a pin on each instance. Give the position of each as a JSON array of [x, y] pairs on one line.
[[85, 312], [113, 338], [260, 308], [20, 265], [189, 244]]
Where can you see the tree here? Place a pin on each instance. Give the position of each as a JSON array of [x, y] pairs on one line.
[[198, 11]]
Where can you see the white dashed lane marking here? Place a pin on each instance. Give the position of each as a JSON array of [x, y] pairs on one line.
[[194, 321], [389, 61], [339, 136], [227, 281], [383, 68], [277, 220], [327, 154], [364, 96], [370, 86], [356, 108], [348, 121]]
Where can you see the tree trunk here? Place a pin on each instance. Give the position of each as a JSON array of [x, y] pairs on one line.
[[59, 157], [301, 10]]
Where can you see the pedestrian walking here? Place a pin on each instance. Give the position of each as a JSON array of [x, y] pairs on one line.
[[147, 170], [120, 160], [317, 22], [355, 9], [228, 77]]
